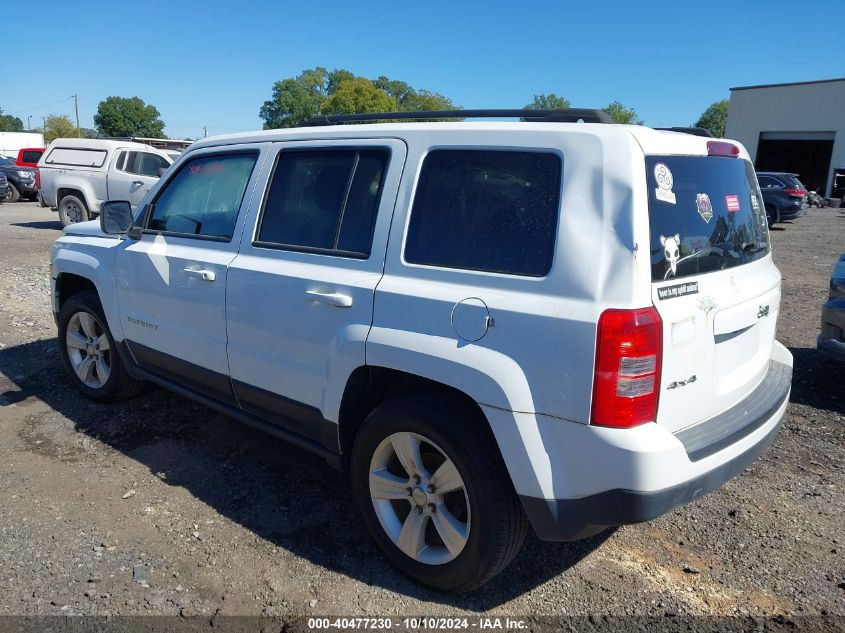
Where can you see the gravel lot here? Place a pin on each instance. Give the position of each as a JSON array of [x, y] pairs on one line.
[[161, 506]]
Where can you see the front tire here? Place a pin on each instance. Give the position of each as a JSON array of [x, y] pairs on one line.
[[12, 193], [72, 210], [89, 353], [433, 491]]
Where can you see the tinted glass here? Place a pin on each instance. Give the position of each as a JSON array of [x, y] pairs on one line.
[[767, 182], [121, 161], [324, 200], [359, 216], [486, 210], [203, 198], [708, 216], [31, 156]]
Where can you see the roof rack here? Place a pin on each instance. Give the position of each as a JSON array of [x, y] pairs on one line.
[[566, 115], [695, 131]]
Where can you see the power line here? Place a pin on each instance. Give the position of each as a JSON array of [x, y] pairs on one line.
[[42, 106]]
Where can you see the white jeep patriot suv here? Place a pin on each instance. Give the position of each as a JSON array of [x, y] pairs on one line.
[[558, 322]]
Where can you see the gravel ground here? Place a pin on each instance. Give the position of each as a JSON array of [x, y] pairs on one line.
[[161, 506]]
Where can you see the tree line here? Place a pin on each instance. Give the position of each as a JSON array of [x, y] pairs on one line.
[[313, 92]]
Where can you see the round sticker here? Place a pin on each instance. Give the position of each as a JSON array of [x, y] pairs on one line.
[[663, 176]]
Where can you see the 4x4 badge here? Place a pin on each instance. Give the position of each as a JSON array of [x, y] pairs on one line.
[[705, 209]]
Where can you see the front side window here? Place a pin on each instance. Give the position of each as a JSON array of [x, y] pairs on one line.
[[150, 165], [493, 211], [204, 197], [324, 200]]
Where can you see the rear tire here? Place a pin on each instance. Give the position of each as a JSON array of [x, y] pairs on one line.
[[771, 215], [72, 210], [12, 193], [482, 518], [89, 352]]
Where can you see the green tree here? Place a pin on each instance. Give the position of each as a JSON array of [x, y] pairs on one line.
[[128, 116], [715, 118], [9, 123], [425, 100], [358, 95], [622, 114], [399, 90], [58, 126], [295, 100], [548, 102], [317, 90]]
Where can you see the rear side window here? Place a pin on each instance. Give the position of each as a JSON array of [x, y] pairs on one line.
[[324, 201], [493, 211], [204, 197], [76, 157], [705, 214]]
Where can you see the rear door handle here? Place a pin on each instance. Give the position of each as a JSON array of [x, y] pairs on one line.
[[337, 299], [140, 183], [206, 275]]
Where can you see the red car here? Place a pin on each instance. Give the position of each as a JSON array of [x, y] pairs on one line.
[[29, 156]]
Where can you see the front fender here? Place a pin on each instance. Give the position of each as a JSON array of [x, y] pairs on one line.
[[93, 259]]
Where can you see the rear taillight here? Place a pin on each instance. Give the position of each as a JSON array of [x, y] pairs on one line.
[[721, 148], [629, 350], [38, 179], [796, 192]]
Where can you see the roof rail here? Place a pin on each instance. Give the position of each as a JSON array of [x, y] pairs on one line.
[[695, 131], [566, 115]]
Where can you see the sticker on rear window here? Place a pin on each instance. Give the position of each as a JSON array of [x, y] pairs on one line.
[[733, 203], [705, 209], [678, 290], [663, 176], [671, 251]]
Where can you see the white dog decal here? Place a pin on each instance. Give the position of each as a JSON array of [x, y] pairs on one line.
[[671, 251]]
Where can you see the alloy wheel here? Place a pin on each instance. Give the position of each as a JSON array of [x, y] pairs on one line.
[[419, 498], [88, 349]]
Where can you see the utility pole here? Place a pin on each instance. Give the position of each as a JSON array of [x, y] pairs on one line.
[[29, 122], [76, 105], [44, 122], [205, 131]]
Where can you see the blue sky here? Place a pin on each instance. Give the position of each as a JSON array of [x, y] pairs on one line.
[[214, 63]]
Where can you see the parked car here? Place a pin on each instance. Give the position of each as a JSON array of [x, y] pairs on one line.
[[4, 187], [486, 326], [29, 156], [784, 196], [21, 181], [78, 175], [831, 341]]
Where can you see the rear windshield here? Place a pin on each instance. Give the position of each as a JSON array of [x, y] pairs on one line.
[[705, 213], [31, 155]]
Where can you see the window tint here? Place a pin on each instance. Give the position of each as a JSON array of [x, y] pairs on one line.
[[324, 200], [31, 156], [767, 182], [203, 198], [714, 220], [494, 211]]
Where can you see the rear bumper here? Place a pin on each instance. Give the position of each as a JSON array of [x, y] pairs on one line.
[[688, 464]]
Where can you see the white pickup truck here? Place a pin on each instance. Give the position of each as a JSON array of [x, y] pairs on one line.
[[77, 175]]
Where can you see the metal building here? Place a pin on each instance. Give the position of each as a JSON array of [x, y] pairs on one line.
[[794, 127]]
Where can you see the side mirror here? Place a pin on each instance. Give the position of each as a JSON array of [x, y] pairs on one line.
[[115, 217]]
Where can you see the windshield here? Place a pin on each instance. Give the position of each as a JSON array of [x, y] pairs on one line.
[[705, 214]]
